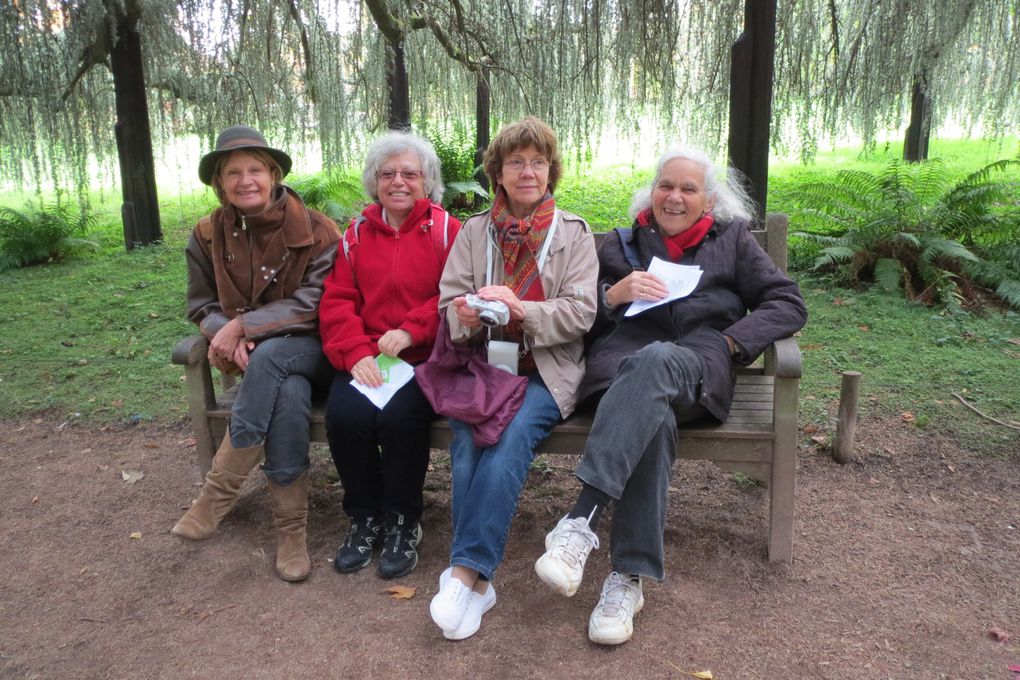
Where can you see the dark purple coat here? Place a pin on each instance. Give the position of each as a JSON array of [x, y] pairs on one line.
[[739, 277]]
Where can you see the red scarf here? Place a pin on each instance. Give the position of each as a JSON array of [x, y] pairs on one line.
[[688, 238]]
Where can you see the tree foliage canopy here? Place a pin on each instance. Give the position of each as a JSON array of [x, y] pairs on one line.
[[316, 70]]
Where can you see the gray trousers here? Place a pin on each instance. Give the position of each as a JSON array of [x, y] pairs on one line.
[[274, 400], [632, 447]]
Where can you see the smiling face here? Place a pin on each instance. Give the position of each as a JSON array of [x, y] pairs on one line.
[[401, 183], [679, 197], [247, 182], [525, 177]]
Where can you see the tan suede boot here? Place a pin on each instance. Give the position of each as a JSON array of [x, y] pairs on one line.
[[290, 515], [219, 493]]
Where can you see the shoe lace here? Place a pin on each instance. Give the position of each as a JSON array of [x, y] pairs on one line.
[[575, 539], [618, 597]]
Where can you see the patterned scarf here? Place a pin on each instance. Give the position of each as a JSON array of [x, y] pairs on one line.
[[520, 241]]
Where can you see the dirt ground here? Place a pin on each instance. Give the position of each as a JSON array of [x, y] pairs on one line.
[[904, 561]]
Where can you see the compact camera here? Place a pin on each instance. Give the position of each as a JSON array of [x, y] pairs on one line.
[[490, 312]]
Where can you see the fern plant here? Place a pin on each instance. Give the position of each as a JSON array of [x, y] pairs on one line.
[[909, 228], [43, 233], [336, 195]]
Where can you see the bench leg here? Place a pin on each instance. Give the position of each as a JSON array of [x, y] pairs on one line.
[[200, 399], [784, 473]]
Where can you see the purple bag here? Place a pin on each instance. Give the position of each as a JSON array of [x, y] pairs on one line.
[[460, 383]]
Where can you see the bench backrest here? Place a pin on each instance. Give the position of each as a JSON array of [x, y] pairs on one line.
[[772, 238]]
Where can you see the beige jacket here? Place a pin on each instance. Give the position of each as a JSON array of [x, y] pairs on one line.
[[554, 329]]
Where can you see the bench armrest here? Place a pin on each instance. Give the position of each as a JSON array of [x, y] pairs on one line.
[[782, 358], [191, 350]]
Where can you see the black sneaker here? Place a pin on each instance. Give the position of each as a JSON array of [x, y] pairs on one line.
[[356, 551], [399, 556]]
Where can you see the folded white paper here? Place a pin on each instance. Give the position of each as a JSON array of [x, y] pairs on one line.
[[395, 372], [680, 279]]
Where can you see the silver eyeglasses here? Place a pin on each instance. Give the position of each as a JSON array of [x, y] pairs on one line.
[[407, 175], [516, 165]]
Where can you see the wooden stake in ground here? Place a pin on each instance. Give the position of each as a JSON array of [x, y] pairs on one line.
[[846, 424]]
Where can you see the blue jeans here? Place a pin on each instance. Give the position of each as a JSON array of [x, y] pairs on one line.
[[274, 400], [632, 446], [487, 481]]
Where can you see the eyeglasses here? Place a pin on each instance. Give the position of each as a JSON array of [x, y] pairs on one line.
[[516, 165], [407, 175]]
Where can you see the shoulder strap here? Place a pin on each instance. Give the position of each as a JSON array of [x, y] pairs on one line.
[[625, 234], [440, 237], [348, 241]]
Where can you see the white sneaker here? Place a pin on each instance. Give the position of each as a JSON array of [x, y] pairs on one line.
[[477, 605], [450, 604], [566, 550], [612, 620]]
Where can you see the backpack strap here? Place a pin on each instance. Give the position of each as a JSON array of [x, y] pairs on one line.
[[625, 234], [440, 238], [349, 241]]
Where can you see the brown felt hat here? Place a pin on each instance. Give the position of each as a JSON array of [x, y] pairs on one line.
[[234, 138]]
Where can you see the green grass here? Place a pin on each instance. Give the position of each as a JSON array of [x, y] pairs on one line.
[[912, 360], [90, 338]]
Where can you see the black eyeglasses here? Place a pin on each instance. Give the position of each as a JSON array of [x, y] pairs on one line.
[[407, 175]]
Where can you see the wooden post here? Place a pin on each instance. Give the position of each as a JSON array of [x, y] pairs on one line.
[[751, 72], [846, 424]]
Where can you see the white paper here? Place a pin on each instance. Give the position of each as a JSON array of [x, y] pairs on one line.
[[680, 280], [395, 372]]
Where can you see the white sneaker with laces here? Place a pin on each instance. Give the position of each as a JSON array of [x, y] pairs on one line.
[[477, 606], [612, 620], [566, 550], [450, 604]]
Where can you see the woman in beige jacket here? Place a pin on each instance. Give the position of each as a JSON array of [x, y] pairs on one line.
[[539, 262]]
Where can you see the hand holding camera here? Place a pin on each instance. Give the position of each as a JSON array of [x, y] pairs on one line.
[[490, 312]]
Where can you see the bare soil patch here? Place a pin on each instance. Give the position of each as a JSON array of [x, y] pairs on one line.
[[904, 560]]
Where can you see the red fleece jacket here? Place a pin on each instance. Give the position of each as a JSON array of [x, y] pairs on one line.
[[394, 283]]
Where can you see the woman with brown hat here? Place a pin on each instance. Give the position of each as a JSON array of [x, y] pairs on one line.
[[255, 272]]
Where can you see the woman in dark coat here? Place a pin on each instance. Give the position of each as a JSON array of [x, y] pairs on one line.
[[667, 364]]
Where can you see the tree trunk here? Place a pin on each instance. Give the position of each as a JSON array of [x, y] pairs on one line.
[[140, 210], [751, 73], [915, 146], [400, 92], [482, 123]]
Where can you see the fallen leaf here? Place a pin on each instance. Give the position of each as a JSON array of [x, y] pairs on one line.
[[907, 417], [131, 476], [401, 592], [135, 535], [838, 302], [993, 499], [1014, 341], [888, 449], [35, 499], [874, 482], [819, 439], [950, 467], [810, 346], [933, 497], [701, 675], [810, 429], [864, 327], [67, 343], [998, 634], [151, 445], [83, 570]]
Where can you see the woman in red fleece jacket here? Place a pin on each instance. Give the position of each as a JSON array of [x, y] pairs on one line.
[[383, 298]]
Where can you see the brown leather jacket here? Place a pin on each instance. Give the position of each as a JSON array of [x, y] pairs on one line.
[[266, 269]]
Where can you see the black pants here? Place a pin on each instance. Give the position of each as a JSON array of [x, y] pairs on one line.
[[381, 455]]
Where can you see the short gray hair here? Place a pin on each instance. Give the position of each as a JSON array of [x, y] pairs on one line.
[[396, 143], [724, 185]]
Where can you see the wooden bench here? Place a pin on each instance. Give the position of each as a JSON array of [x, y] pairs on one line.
[[759, 439]]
